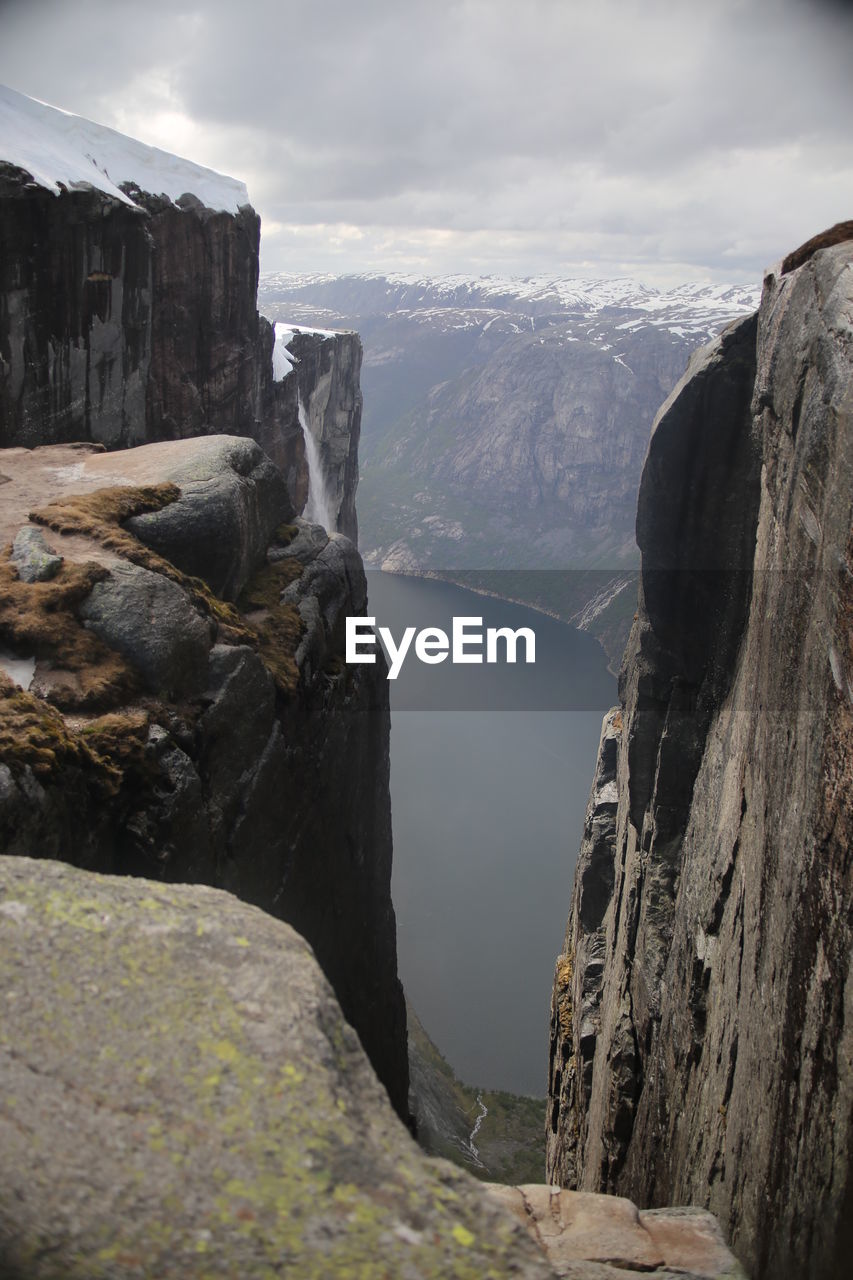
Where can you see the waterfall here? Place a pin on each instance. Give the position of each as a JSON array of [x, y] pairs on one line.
[[318, 508], [473, 1149]]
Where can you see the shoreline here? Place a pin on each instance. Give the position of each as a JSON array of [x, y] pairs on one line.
[[440, 575]]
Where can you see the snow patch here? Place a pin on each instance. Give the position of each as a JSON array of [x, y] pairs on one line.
[[283, 358], [57, 147]]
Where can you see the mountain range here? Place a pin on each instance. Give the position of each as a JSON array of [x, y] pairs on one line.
[[506, 421]]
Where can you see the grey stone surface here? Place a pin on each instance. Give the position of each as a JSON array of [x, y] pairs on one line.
[[331, 586], [309, 541], [282, 800], [232, 498], [34, 559], [152, 622], [183, 1098], [701, 1030]]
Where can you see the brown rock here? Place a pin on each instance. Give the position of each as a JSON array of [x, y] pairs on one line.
[[587, 1235]]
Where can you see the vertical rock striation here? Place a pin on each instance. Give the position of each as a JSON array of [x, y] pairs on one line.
[[701, 1030], [321, 370], [327, 374]]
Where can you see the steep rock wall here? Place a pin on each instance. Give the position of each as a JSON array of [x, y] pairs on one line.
[[327, 373], [701, 1033], [167, 733], [127, 323]]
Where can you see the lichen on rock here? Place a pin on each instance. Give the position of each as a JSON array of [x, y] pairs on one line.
[[198, 1107]]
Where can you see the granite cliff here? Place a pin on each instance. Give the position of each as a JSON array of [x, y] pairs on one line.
[[128, 307], [701, 1039], [174, 627]]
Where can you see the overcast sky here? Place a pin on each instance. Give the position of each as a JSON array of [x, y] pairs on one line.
[[666, 139]]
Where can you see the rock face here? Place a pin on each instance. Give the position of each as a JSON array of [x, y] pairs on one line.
[[182, 1097], [327, 371], [701, 1035], [203, 741], [232, 499], [128, 316], [122, 324]]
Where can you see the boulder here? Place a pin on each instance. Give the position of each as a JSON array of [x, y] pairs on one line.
[[586, 1236], [182, 1098], [33, 558], [150, 621], [232, 499]]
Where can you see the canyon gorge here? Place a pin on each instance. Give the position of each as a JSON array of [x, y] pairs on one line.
[[204, 1037]]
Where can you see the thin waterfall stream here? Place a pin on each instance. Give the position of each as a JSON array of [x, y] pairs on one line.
[[473, 1149], [318, 508]]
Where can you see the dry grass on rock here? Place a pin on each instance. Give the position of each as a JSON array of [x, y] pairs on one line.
[[278, 627], [39, 618], [34, 734]]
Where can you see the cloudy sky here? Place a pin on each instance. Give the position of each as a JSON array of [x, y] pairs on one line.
[[659, 138]]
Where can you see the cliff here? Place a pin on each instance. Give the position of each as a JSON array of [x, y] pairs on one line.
[[700, 1031], [319, 369], [184, 710], [128, 307]]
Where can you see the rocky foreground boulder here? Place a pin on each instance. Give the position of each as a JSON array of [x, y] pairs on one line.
[[182, 1098], [701, 1031]]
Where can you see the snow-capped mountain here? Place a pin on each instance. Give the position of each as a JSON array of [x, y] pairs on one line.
[[59, 149], [469, 301]]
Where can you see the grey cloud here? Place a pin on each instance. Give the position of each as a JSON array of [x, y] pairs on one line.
[[665, 122]]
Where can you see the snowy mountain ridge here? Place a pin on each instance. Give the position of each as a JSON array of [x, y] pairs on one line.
[[59, 150], [695, 307]]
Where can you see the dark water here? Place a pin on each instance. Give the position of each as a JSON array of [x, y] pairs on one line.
[[488, 809]]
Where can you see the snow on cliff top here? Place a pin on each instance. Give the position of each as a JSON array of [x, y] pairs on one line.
[[57, 147], [283, 359]]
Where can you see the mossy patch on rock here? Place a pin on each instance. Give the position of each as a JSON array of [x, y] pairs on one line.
[[39, 618], [99, 515], [35, 735], [276, 634], [836, 234], [277, 627]]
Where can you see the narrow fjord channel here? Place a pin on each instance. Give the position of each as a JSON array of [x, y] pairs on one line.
[[490, 771]]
